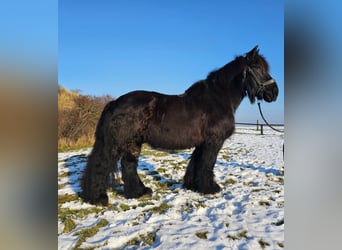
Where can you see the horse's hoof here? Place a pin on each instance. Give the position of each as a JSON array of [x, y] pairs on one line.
[[146, 193], [215, 188], [102, 200], [189, 186]]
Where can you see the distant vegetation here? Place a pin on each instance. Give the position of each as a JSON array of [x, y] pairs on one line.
[[77, 118]]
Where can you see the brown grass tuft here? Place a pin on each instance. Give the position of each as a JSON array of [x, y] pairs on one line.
[[77, 118]]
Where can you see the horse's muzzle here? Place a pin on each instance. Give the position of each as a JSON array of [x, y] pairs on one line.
[[270, 92]]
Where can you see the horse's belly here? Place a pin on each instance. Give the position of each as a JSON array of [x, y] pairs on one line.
[[176, 137]]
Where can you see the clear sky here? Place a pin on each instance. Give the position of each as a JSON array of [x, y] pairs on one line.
[[114, 47]]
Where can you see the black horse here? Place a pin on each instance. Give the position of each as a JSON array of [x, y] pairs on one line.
[[201, 117]]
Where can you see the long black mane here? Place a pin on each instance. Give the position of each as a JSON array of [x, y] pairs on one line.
[[219, 79], [201, 117]]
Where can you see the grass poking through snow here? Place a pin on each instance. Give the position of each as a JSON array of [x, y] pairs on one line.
[[89, 232], [252, 193]]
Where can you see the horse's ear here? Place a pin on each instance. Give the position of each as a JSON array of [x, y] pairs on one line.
[[251, 54]]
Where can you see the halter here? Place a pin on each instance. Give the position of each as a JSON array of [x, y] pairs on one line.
[[262, 85], [261, 88]]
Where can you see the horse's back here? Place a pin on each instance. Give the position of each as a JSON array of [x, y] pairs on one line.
[[177, 123], [164, 121]]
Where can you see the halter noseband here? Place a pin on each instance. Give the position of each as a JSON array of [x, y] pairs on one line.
[[261, 84]]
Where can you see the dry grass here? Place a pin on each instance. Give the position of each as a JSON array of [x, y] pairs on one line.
[[89, 232], [66, 98], [65, 144], [202, 235], [77, 118]]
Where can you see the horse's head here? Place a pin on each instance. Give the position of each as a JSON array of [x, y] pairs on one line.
[[257, 81]]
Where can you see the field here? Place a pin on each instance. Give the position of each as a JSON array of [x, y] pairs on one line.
[[247, 214]]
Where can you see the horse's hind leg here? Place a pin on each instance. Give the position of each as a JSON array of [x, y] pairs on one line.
[[95, 177], [113, 176], [133, 186]]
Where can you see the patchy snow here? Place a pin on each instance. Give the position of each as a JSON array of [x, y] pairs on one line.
[[247, 214]]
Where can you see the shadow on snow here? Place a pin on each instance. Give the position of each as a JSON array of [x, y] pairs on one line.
[[77, 163]]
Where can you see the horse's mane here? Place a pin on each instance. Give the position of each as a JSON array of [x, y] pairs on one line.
[[219, 79], [262, 62]]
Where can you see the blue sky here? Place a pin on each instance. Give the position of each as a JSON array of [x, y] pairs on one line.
[[113, 47]]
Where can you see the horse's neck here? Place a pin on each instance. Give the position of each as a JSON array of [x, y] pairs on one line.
[[222, 85], [236, 101], [231, 93], [235, 92]]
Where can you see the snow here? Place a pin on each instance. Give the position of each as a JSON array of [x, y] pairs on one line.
[[248, 213]]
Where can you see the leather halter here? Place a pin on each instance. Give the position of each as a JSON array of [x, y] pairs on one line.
[[261, 84]]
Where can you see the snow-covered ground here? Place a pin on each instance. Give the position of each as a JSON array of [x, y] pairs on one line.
[[247, 214]]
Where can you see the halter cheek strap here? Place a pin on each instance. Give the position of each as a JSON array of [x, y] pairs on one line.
[[261, 84]]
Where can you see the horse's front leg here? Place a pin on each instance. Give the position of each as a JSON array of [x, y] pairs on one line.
[[190, 174], [199, 175]]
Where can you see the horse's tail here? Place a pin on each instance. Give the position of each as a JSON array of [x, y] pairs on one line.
[[119, 132], [100, 127], [101, 161]]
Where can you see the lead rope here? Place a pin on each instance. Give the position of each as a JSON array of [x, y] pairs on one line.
[[280, 131], [262, 115]]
